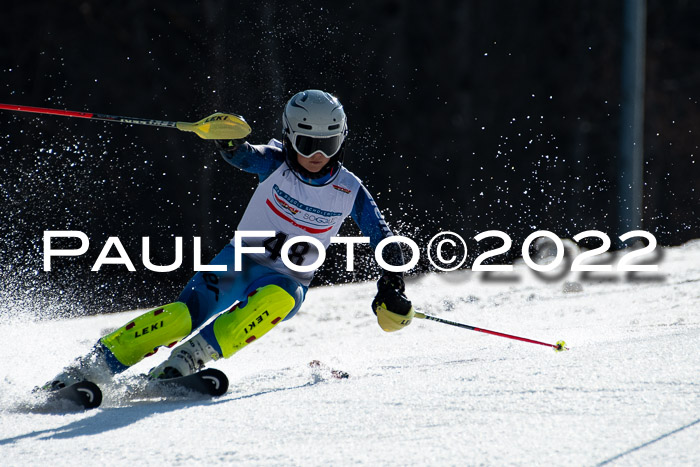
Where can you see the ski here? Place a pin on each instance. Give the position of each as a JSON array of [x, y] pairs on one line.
[[85, 395], [210, 382]]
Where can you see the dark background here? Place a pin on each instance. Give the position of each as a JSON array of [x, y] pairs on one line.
[[464, 116]]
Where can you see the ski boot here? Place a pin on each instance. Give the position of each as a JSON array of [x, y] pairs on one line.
[[92, 367], [186, 359]]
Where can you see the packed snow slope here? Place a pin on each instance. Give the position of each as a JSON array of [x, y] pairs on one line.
[[627, 393]]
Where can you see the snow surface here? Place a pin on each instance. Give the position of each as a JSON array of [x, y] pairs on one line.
[[627, 393]]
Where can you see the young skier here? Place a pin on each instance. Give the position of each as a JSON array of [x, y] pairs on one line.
[[304, 190]]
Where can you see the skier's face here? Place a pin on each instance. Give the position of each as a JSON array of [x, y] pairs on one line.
[[313, 164]]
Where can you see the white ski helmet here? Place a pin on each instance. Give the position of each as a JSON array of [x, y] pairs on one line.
[[314, 121]]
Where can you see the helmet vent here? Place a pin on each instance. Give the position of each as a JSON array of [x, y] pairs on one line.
[[334, 127], [304, 126]]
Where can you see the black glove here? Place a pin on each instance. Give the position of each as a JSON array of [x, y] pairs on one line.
[[228, 144], [390, 293], [394, 311]]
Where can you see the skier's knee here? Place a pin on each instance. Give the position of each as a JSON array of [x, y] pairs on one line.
[[293, 288], [250, 320], [141, 337]]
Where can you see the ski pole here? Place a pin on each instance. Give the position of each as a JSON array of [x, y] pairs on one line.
[[215, 126], [558, 347]]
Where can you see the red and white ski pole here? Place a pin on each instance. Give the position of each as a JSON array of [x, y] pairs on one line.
[[558, 347], [216, 126]]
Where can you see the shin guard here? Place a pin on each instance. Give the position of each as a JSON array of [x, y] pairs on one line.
[[240, 326], [166, 325]]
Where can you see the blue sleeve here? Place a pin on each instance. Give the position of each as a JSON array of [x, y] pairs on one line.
[[366, 215], [259, 159]]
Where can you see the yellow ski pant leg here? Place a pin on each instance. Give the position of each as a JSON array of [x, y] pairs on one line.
[[142, 336], [242, 325]]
